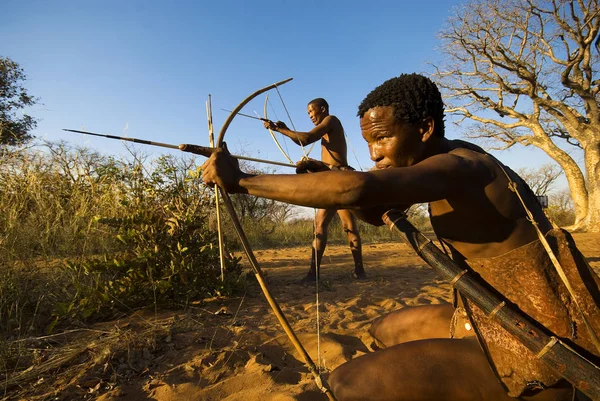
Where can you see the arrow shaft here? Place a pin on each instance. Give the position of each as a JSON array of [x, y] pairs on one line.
[[122, 138], [247, 115], [196, 149]]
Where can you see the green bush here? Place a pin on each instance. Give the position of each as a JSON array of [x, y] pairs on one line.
[[169, 254], [127, 233], [49, 196], [85, 236]]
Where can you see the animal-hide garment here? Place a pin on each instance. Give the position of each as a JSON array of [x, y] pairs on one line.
[[527, 278]]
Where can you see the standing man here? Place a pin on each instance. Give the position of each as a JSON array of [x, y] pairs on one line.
[[329, 130], [476, 213]]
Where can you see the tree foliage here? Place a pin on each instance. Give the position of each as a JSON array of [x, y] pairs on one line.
[[525, 72], [14, 129]]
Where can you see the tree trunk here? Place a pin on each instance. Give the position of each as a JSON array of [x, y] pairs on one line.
[[592, 166], [575, 178]]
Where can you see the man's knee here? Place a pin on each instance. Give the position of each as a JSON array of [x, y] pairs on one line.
[[320, 234], [343, 382], [374, 325], [320, 228], [353, 235], [354, 243], [377, 331], [348, 223]]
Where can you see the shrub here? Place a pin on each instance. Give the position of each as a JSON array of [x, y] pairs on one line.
[[169, 257], [127, 233]]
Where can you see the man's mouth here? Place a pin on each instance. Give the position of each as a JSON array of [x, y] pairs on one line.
[[382, 166]]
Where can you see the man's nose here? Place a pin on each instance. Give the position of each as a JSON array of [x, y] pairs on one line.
[[374, 153]]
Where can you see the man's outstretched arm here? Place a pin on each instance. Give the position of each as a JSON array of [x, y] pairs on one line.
[[302, 138], [438, 177]]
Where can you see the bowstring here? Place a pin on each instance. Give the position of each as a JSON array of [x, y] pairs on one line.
[[293, 126], [353, 151], [273, 136], [318, 274], [317, 264], [277, 118]]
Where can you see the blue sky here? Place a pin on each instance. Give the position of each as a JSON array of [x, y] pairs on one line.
[[145, 68]]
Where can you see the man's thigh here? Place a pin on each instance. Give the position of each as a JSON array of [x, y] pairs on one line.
[[435, 369], [415, 323], [323, 217], [348, 220]]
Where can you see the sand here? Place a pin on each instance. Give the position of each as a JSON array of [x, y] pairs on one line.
[[234, 349]]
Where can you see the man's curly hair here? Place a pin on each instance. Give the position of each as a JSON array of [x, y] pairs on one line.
[[413, 97], [319, 102]]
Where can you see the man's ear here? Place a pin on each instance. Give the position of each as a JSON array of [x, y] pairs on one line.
[[427, 128]]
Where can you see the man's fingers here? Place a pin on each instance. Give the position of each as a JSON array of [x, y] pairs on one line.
[[270, 124], [301, 167], [306, 165], [221, 169], [209, 168]]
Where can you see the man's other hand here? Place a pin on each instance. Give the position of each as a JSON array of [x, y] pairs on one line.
[[307, 165], [275, 126]]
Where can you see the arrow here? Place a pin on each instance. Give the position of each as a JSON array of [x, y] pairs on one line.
[[185, 147], [247, 115]]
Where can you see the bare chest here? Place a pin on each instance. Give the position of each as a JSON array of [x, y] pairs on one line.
[[478, 231], [333, 150]]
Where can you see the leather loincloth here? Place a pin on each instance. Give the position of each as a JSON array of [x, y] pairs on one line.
[[527, 278]]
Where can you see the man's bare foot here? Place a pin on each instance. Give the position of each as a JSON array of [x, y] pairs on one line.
[[309, 279], [360, 274]]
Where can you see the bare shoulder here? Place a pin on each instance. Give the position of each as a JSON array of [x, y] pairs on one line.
[[467, 150], [473, 155], [462, 163], [333, 123]]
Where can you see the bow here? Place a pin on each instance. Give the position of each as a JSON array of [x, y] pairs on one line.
[[271, 131], [291, 122], [321, 384]]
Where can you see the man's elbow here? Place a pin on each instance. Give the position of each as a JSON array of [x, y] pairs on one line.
[[353, 189], [361, 198], [300, 140], [307, 140]]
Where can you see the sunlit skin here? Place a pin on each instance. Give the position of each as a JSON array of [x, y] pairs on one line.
[[330, 131], [327, 128], [471, 208], [391, 144], [466, 190]]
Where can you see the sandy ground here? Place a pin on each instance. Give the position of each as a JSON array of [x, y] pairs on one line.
[[236, 350]]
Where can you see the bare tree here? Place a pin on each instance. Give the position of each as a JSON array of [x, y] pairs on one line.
[[523, 72], [540, 180], [561, 208]]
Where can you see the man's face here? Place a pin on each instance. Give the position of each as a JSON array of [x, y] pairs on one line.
[[316, 113], [391, 143]]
